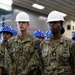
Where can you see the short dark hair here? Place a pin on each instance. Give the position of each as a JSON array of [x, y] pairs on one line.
[[62, 30], [61, 22]]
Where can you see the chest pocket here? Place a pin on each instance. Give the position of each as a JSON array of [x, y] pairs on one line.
[[63, 53], [22, 51]]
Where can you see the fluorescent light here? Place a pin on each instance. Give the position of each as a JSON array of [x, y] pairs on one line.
[[38, 6], [42, 18], [16, 10]]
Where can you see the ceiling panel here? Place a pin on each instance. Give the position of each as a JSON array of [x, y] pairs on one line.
[[65, 6]]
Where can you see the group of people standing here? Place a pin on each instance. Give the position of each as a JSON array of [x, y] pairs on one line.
[[26, 55]]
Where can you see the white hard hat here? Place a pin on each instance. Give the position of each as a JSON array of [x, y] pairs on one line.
[[22, 16], [55, 16]]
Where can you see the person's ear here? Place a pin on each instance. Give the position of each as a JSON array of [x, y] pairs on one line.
[[61, 27]]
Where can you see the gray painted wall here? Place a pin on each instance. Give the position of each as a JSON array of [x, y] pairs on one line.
[[36, 20]]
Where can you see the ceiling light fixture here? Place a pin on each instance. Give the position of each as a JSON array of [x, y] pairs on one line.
[[38, 6], [42, 18]]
